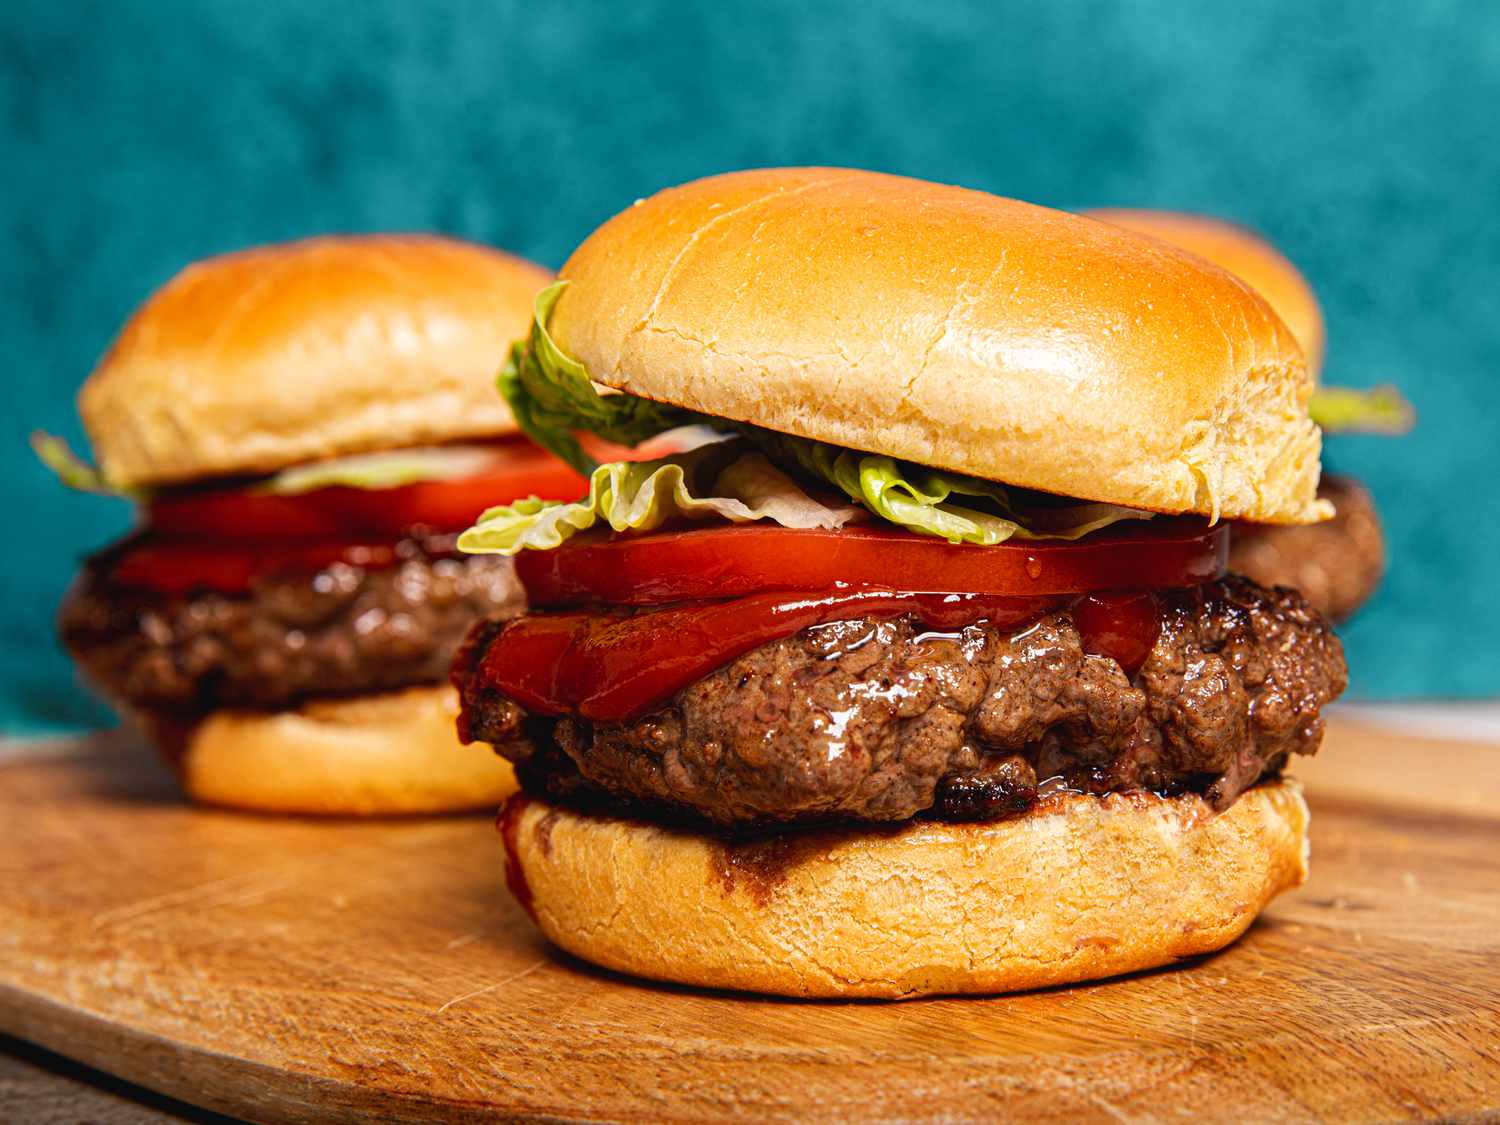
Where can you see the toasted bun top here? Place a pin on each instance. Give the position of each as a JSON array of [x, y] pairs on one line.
[[1244, 254], [261, 359], [954, 329]]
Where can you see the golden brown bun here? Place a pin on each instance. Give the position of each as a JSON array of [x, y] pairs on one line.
[[366, 755], [954, 329], [1081, 888], [254, 361], [1244, 254]]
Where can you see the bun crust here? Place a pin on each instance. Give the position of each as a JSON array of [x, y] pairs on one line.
[[1244, 254], [955, 329], [257, 360], [1081, 888], [366, 755]]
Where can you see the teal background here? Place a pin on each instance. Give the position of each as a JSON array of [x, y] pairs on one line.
[[1364, 138]]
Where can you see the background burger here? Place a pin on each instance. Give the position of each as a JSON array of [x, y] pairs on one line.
[[305, 428], [901, 688], [1336, 564]]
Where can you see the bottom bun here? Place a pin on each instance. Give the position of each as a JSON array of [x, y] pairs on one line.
[[1081, 887], [364, 755]]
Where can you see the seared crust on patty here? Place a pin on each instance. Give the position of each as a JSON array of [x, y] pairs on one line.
[[1335, 565], [344, 629], [880, 720]]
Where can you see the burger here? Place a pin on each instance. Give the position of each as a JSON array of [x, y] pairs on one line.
[[306, 428], [927, 676], [1337, 564]]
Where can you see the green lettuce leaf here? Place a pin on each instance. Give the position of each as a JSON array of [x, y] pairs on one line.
[[929, 501], [72, 470], [923, 500], [377, 471], [372, 471], [722, 479], [552, 397], [1345, 410]]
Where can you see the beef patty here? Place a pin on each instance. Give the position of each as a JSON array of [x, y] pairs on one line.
[[879, 720], [1336, 564], [344, 629]]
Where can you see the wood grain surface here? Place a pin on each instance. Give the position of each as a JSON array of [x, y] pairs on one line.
[[287, 970], [38, 1087]]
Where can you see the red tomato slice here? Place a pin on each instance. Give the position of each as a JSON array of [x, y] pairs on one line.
[[222, 539], [610, 667], [241, 515], [732, 561]]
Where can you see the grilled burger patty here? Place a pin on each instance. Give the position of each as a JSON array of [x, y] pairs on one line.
[[880, 720], [343, 629], [1336, 564]]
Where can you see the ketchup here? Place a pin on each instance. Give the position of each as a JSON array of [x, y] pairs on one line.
[[1123, 627], [613, 665], [509, 824], [176, 567], [170, 565]]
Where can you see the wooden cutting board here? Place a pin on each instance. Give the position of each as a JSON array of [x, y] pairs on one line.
[[287, 970]]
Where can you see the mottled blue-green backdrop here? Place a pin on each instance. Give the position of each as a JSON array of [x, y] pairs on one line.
[[1363, 137]]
